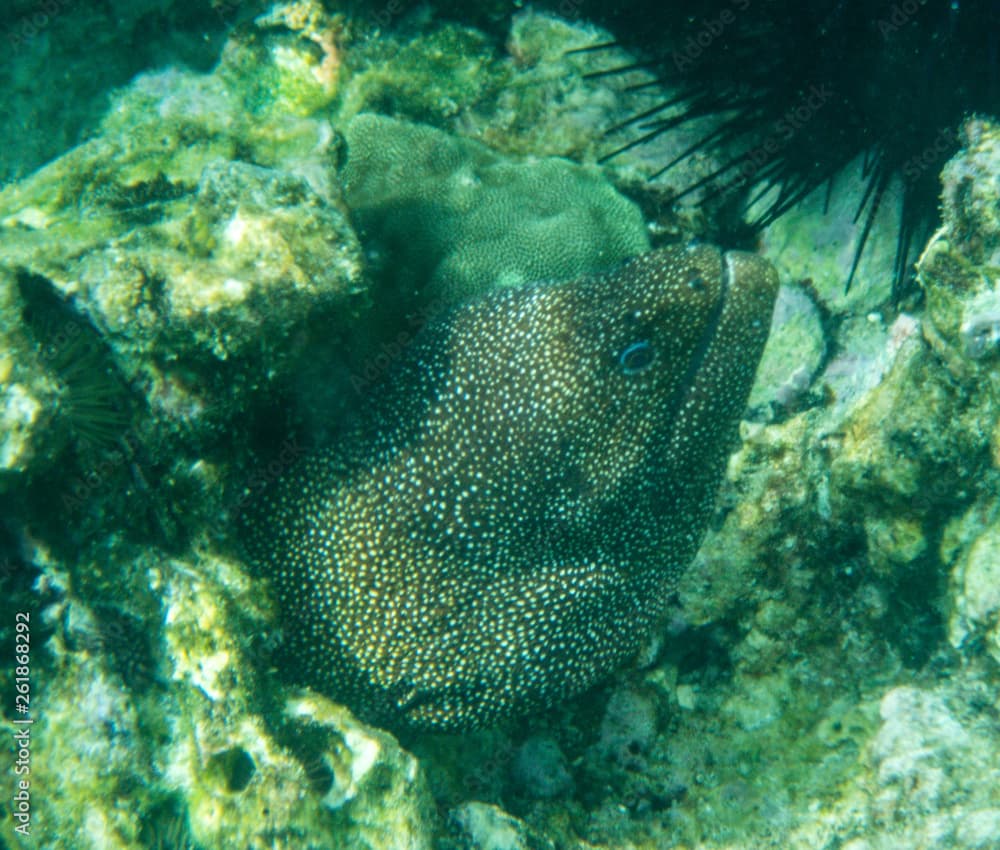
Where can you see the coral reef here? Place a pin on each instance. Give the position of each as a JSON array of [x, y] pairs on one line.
[[485, 827], [456, 219], [198, 261], [539, 769], [190, 739], [192, 288]]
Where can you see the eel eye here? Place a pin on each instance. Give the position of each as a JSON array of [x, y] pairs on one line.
[[636, 357], [696, 282]]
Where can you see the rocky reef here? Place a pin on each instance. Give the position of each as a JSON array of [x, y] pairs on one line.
[[210, 284]]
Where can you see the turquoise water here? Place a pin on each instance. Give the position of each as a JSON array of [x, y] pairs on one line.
[[390, 459]]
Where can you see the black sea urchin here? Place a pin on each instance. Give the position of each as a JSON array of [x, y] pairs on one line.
[[93, 395], [801, 90]]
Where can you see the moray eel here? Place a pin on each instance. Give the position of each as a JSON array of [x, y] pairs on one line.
[[538, 472]]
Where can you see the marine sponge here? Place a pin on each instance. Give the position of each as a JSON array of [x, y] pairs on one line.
[[455, 218]]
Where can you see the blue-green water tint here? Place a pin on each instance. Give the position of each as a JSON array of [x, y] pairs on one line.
[[826, 669]]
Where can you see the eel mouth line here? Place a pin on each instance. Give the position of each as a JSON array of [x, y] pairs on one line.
[[682, 391]]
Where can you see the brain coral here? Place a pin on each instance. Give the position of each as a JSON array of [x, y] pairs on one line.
[[456, 218]]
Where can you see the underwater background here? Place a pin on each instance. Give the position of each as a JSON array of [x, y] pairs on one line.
[[230, 229]]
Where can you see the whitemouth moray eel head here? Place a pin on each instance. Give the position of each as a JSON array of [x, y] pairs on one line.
[[541, 469]]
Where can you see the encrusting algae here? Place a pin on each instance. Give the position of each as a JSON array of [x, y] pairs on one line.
[[540, 470]]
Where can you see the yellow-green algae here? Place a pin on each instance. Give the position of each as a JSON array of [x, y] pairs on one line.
[[176, 741]]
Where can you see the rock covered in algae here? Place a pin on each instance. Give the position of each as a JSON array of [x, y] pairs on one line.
[[163, 722], [975, 579], [441, 75], [535, 92], [481, 826], [816, 240], [958, 268], [454, 218], [66, 56], [24, 396], [794, 352], [969, 192], [192, 267], [556, 103], [840, 617], [289, 66], [935, 767], [541, 471], [958, 272]]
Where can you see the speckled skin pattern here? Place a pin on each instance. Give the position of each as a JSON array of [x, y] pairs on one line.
[[539, 471]]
